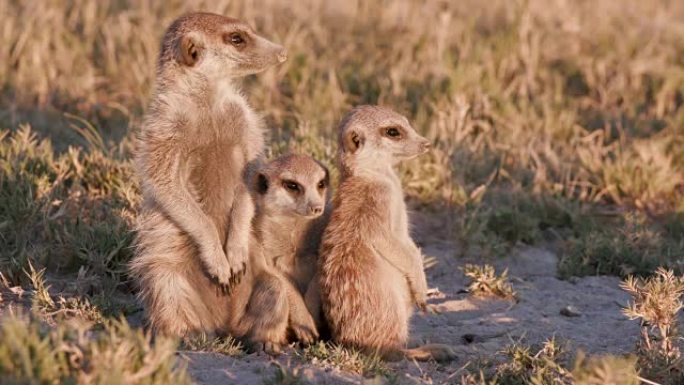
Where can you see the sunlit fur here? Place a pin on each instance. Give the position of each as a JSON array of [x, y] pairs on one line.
[[288, 233], [371, 272], [197, 142]]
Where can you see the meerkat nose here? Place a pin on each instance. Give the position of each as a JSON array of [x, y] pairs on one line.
[[282, 55], [315, 210]]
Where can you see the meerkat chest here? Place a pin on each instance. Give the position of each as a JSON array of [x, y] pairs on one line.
[[217, 163], [282, 245], [215, 176], [234, 118], [281, 255], [398, 213]]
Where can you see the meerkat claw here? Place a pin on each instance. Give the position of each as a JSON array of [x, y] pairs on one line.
[[272, 348]]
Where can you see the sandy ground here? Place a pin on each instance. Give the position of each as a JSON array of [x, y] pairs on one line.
[[477, 329]]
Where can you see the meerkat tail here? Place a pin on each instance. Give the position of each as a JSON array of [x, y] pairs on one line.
[[436, 352]]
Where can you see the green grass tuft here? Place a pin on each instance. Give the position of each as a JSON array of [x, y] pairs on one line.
[[224, 345], [633, 245], [73, 353], [329, 354]]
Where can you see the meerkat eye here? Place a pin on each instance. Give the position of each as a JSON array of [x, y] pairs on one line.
[[392, 132], [236, 39], [321, 184], [290, 185]]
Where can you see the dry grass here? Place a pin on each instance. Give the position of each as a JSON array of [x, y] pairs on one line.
[[484, 282], [285, 376], [525, 366], [605, 370], [539, 111], [656, 303], [224, 345], [557, 121], [332, 355], [547, 365]]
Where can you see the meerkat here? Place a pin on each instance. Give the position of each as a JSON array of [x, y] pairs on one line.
[[371, 271], [291, 195], [291, 200], [198, 140]]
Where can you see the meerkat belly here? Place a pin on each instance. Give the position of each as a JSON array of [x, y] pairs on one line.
[[371, 307], [216, 175], [394, 284]]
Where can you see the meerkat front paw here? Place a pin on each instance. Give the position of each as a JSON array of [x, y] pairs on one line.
[[420, 294], [422, 305], [305, 332], [237, 259], [217, 267], [269, 347]]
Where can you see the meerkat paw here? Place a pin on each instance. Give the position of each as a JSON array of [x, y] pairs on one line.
[[421, 302], [218, 268], [238, 256], [305, 332], [269, 347], [420, 296]]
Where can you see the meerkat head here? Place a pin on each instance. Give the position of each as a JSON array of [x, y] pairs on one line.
[[373, 136], [293, 185], [217, 47]]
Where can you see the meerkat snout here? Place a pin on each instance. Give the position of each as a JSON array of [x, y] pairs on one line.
[[293, 185], [316, 210]]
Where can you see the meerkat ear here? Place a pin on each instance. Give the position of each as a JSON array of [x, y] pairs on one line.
[[327, 176], [189, 50], [353, 140], [262, 184]]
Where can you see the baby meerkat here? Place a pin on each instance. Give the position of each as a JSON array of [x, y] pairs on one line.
[[291, 193], [291, 200], [371, 271], [197, 141]]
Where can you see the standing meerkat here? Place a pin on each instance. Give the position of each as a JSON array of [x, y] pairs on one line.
[[198, 138], [291, 194], [371, 271]]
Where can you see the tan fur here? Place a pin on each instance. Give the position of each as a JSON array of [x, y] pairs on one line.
[[288, 225], [198, 140], [371, 272], [259, 306]]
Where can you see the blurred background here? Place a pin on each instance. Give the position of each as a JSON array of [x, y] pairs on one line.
[[556, 123]]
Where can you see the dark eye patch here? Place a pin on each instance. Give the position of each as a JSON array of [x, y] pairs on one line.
[[323, 184], [262, 184]]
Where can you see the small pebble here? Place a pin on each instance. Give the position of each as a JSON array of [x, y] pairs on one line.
[[570, 311]]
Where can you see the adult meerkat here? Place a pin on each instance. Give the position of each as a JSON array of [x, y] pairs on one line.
[[371, 272], [291, 193], [197, 140]]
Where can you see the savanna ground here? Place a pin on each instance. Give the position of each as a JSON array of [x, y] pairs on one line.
[[558, 132]]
